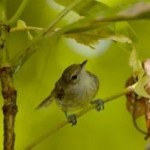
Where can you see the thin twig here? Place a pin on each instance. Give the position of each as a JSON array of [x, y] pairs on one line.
[[26, 28], [81, 113], [61, 15], [18, 12], [3, 10]]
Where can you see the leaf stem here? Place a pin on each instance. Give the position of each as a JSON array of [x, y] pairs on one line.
[[3, 11], [81, 113], [27, 28]]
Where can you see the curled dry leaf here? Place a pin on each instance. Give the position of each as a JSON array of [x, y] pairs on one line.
[[147, 118], [135, 104], [142, 86]]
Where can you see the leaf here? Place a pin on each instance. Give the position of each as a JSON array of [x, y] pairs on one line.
[[135, 63], [21, 24], [86, 8], [93, 36], [137, 10], [142, 86], [119, 38], [147, 118], [88, 30], [139, 87], [30, 37], [90, 37], [135, 104]]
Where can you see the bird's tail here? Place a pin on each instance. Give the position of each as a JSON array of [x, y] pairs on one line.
[[45, 102]]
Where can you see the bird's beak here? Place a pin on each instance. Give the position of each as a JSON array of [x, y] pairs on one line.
[[83, 64]]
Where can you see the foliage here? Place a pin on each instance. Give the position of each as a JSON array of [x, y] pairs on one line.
[[96, 22]]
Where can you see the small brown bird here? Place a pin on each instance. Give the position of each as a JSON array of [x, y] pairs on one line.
[[75, 89]]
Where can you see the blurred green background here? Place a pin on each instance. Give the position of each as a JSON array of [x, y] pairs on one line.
[[108, 129]]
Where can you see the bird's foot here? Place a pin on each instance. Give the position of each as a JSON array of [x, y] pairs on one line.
[[99, 104], [72, 119]]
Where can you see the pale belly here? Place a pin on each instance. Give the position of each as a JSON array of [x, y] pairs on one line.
[[78, 97]]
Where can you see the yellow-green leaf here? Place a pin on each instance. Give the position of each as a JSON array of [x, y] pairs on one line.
[[21, 24], [93, 36], [135, 63], [139, 87]]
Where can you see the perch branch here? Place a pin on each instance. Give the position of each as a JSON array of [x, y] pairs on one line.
[[78, 115]]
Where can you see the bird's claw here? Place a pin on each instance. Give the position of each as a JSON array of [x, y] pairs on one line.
[[72, 119], [99, 104]]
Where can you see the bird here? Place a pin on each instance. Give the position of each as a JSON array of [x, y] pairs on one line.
[[74, 90]]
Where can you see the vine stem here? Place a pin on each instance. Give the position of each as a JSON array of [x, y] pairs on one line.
[[3, 10], [18, 12], [8, 91], [10, 107], [78, 115]]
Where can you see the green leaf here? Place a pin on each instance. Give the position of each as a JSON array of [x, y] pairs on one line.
[[21, 24], [142, 71], [86, 8], [88, 33], [93, 36], [30, 37], [90, 30], [139, 87], [135, 63]]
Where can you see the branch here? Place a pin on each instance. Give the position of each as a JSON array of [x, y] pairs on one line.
[[9, 107], [18, 12], [8, 91], [78, 115]]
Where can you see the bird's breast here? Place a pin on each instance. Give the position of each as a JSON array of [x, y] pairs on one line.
[[79, 95]]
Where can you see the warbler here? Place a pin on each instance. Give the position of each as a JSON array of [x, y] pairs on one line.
[[74, 90]]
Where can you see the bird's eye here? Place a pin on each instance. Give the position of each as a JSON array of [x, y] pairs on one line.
[[74, 77]]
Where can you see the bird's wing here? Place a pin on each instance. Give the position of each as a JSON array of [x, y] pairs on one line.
[[47, 101], [58, 93], [59, 90]]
